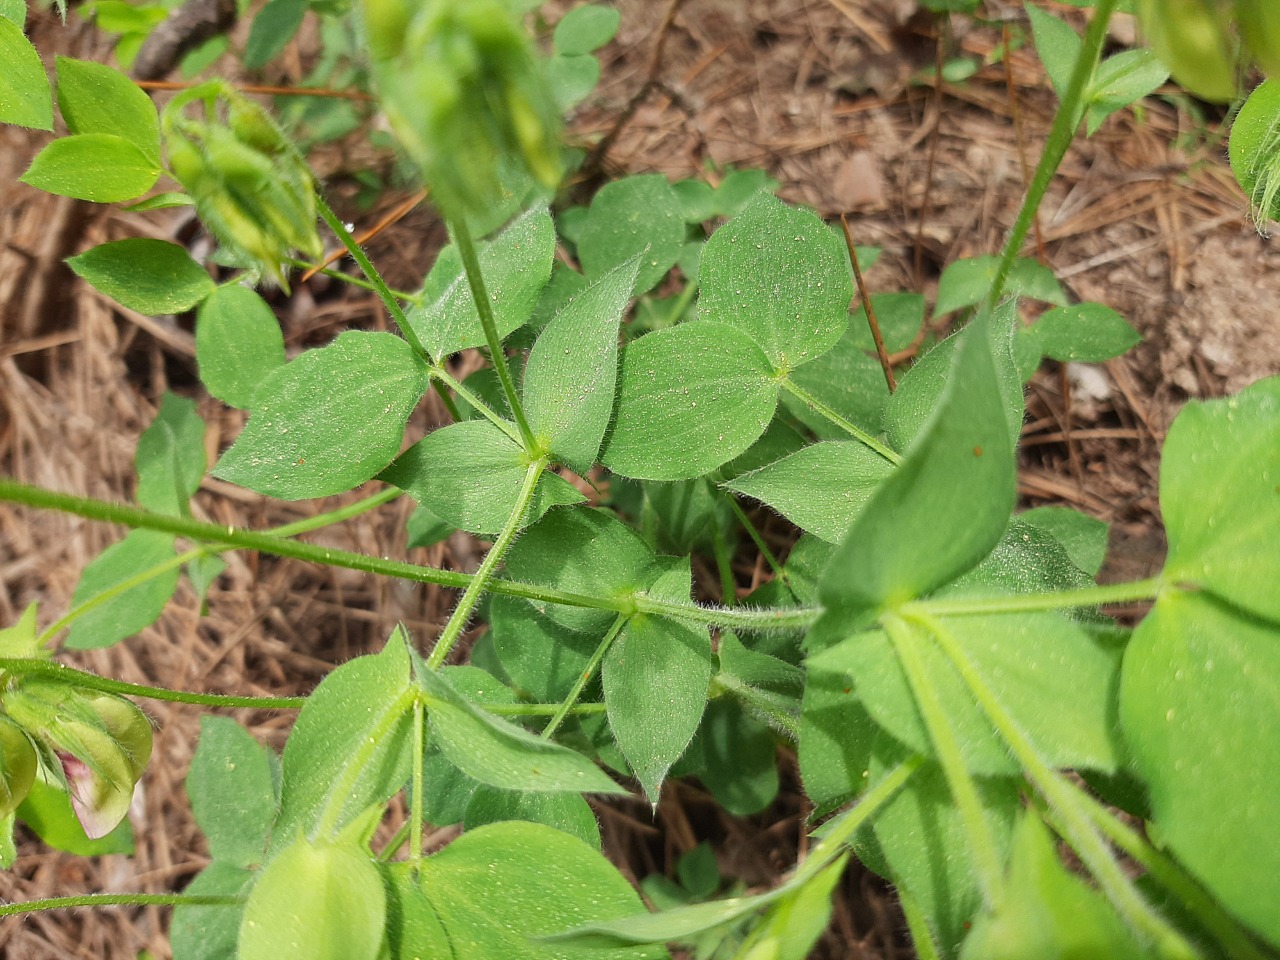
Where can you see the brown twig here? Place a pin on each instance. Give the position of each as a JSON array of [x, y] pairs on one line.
[[264, 90], [918, 266], [396, 214], [872, 322], [594, 162]]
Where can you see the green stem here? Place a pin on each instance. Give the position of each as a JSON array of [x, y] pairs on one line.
[[439, 373], [454, 413], [385, 293], [1061, 133], [119, 900], [852, 429], [778, 618], [982, 839], [92, 681], [1065, 800], [769, 556], [917, 924], [484, 308], [395, 843], [724, 562], [416, 800], [288, 530], [462, 612], [413, 298], [1236, 943], [597, 655], [794, 618], [773, 709], [1033, 602], [841, 830]]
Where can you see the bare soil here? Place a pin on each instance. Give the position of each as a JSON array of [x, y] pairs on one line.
[[838, 100]]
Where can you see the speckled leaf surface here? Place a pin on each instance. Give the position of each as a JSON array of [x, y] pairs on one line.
[[329, 420], [637, 216]]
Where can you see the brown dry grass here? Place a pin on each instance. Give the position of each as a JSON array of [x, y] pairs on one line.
[[818, 92]]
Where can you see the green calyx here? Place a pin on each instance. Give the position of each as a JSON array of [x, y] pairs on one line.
[[463, 89], [251, 189]]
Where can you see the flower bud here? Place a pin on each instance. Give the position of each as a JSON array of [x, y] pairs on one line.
[[250, 187], [101, 743], [1194, 39], [17, 766], [1260, 27], [462, 88]]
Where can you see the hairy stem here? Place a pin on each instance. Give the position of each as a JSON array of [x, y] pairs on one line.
[[481, 580], [1061, 134], [597, 655], [385, 293], [416, 797], [91, 681], [441, 375], [484, 307], [770, 707], [119, 900]]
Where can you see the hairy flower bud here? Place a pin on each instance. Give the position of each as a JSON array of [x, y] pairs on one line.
[[1195, 41], [463, 89], [250, 187], [100, 742]]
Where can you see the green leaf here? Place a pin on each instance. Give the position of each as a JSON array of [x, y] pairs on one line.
[[793, 924], [1200, 705], [572, 79], [500, 889], [822, 488], [15, 10], [351, 746], [689, 399], [170, 459], [470, 475], [922, 838], [210, 932], [1026, 560], [20, 640], [202, 572], [131, 610], [238, 344], [923, 527], [273, 28], [780, 276], [740, 758], [328, 421], [1220, 497], [1088, 332], [572, 370], [900, 317], [319, 901], [739, 188], [47, 811], [1082, 536], [100, 167], [151, 276], [1122, 80], [501, 754], [543, 658], [24, 88], [414, 932], [1057, 44], [95, 98], [836, 736], [232, 792], [516, 266], [966, 282], [425, 529], [1057, 682], [655, 675], [567, 812], [1047, 912], [637, 216], [586, 552], [586, 28]]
